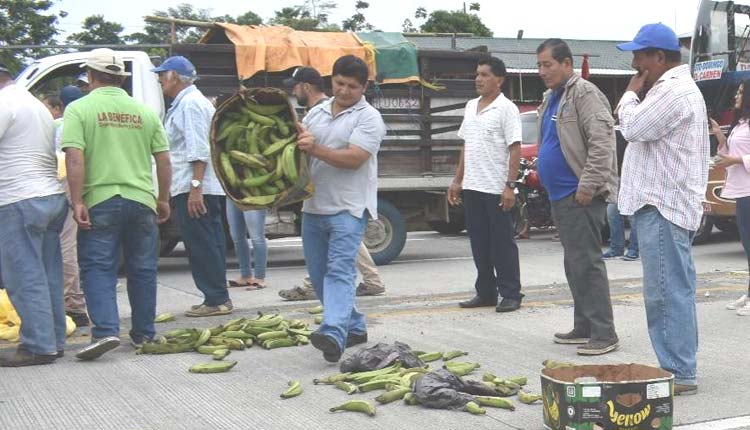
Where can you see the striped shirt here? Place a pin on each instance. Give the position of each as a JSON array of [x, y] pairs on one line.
[[487, 136], [666, 162], [188, 123]]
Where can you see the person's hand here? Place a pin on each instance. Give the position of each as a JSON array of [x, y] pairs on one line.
[[726, 160], [638, 82], [195, 206], [81, 216], [162, 211], [305, 139], [583, 198], [715, 129], [454, 194], [508, 199]]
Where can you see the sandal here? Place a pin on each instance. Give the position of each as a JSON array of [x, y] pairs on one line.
[[298, 293], [255, 286], [234, 284]]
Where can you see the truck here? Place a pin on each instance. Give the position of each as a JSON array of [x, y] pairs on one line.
[[417, 158]]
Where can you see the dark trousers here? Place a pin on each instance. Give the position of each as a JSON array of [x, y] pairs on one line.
[[206, 247], [743, 225], [493, 246], [580, 230]]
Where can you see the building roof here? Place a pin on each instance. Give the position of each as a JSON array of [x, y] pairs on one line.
[[519, 55]]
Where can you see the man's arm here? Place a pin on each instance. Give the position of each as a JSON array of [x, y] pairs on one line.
[[364, 143], [598, 128], [6, 118], [351, 157], [75, 166], [509, 196], [164, 177], [196, 127], [455, 187], [652, 118]]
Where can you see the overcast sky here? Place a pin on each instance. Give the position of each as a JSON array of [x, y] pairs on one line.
[[572, 19]]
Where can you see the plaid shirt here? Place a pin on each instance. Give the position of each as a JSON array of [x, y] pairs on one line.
[[666, 162]]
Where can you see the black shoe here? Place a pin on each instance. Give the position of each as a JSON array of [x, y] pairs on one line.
[[355, 339], [327, 344], [81, 320], [98, 347], [508, 305], [23, 357], [478, 302], [598, 347], [685, 389], [60, 353], [572, 337]]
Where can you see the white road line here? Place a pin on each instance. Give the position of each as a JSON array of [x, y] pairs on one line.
[[430, 259], [723, 424]]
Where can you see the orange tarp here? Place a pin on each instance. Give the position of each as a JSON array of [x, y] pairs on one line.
[[279, 48]]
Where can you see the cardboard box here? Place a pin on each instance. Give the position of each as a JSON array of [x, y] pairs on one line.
[[610, 397]]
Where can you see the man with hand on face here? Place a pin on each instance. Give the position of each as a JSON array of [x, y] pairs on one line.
[[342, 136], [487, 172], [197, 195], [664, 178], [578, 166]]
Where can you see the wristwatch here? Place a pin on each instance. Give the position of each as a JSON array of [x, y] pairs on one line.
[[511, 184], [195, 183]]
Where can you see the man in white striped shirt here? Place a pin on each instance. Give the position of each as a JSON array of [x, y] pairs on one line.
[[664, 177]]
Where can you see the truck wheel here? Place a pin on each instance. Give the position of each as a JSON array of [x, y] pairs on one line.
[[704, 230], [450, 227], [385, 237], [727, 225], [167, 246]]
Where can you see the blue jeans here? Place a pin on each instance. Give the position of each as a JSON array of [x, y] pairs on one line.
[[254, 222], [617, 232], [205, 246], [743, 225], [31, 269], [669, 283], [330, 244], [119, 224]]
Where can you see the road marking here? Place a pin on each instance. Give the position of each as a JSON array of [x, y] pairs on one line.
[[722, 424]]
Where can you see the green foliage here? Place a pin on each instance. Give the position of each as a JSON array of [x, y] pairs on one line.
[[358, 22], [25, 22], [443, 21], [311, 15], [97, 31]]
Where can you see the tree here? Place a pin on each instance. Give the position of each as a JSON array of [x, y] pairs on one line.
[[97, 30], [408, 27], [248, 18], [25, 22], [312, 15], [358, 22], [157, 32], [443, 21], [474, 6]]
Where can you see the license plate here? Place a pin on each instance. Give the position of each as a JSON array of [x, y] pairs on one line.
[[396, 103]]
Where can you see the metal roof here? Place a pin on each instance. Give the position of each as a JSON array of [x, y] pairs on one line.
[[520, 54]]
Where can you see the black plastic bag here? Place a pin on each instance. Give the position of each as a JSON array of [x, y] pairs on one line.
[[443, 390], [380, 356]]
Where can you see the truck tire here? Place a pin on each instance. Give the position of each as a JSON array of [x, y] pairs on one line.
[[167, 246], [447, 227], [704, 230], [385, 237], [727, 225]]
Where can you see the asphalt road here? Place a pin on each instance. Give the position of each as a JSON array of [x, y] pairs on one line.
[[128, 391]]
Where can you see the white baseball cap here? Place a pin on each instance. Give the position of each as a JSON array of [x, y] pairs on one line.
[[106, 60]]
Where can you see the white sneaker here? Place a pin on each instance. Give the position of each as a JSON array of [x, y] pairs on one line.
[[745, 310], [739, 303]]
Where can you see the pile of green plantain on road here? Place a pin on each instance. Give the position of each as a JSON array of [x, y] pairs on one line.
[[398, 384], [254, 150], [269, 331]]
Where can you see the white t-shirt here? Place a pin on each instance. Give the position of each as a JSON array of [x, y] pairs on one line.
[[487, 136], [28, 165]]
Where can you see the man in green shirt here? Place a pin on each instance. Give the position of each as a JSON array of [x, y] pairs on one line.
[[109, 140]]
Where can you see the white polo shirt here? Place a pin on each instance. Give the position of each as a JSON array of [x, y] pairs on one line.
[[487, 136]]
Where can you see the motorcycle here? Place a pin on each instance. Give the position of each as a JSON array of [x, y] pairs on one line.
[[532, 207]]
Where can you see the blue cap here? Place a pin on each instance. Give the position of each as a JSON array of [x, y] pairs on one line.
[[178, 64], [70, 94], [657, 36]]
